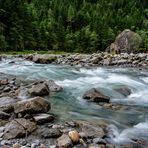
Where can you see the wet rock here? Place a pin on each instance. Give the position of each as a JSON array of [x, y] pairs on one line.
[[95, 96], [31, 106], [125, 91], [18, 128], [53, 87], [43, 118], [50, 133], [74, 136], [4, 115], [91, 131], [40, 89], [64, 142], [6, 104]]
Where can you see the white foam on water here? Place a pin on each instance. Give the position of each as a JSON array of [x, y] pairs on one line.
[[138, 131]]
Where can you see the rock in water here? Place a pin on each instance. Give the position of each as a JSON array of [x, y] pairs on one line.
[[95, 96], [126, 41], [64, 142], [18, 128], [125, 91], [74, 136], [40, 89], [31, 106], [53, 87]]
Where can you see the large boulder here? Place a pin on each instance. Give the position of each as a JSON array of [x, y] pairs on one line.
[[127, 41], [39, 89], [18, 128], [95, 96], [44, 59], [33, 105], [6, 104]]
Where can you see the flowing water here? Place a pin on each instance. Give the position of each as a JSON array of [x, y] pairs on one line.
[[132, 120]]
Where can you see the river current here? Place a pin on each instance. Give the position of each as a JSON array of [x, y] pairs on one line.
[[129, 122]]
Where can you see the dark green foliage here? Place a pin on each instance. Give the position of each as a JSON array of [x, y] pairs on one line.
[[69, 25]]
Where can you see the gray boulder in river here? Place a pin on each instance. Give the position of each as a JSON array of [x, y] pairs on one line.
[[95, 96]]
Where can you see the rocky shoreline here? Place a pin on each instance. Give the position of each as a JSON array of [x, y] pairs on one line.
[[96, 59]]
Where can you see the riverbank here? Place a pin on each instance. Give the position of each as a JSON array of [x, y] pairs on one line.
[[96, 59], [90, 60]]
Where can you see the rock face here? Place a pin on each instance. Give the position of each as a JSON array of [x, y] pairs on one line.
[[95, 96], [31, 106], [40, 89], [127, 41], [18, 128], [64, 142]]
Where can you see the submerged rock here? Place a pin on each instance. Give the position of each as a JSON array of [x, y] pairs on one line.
[[18, 128], [125, 91], [31, 106], [95, 96]]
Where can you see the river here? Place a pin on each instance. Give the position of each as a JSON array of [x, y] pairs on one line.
[[126, 123]]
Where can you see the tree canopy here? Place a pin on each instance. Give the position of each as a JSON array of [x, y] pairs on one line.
[[69, 25]]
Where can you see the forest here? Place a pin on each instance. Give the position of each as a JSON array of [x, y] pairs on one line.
[[69, 25]]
